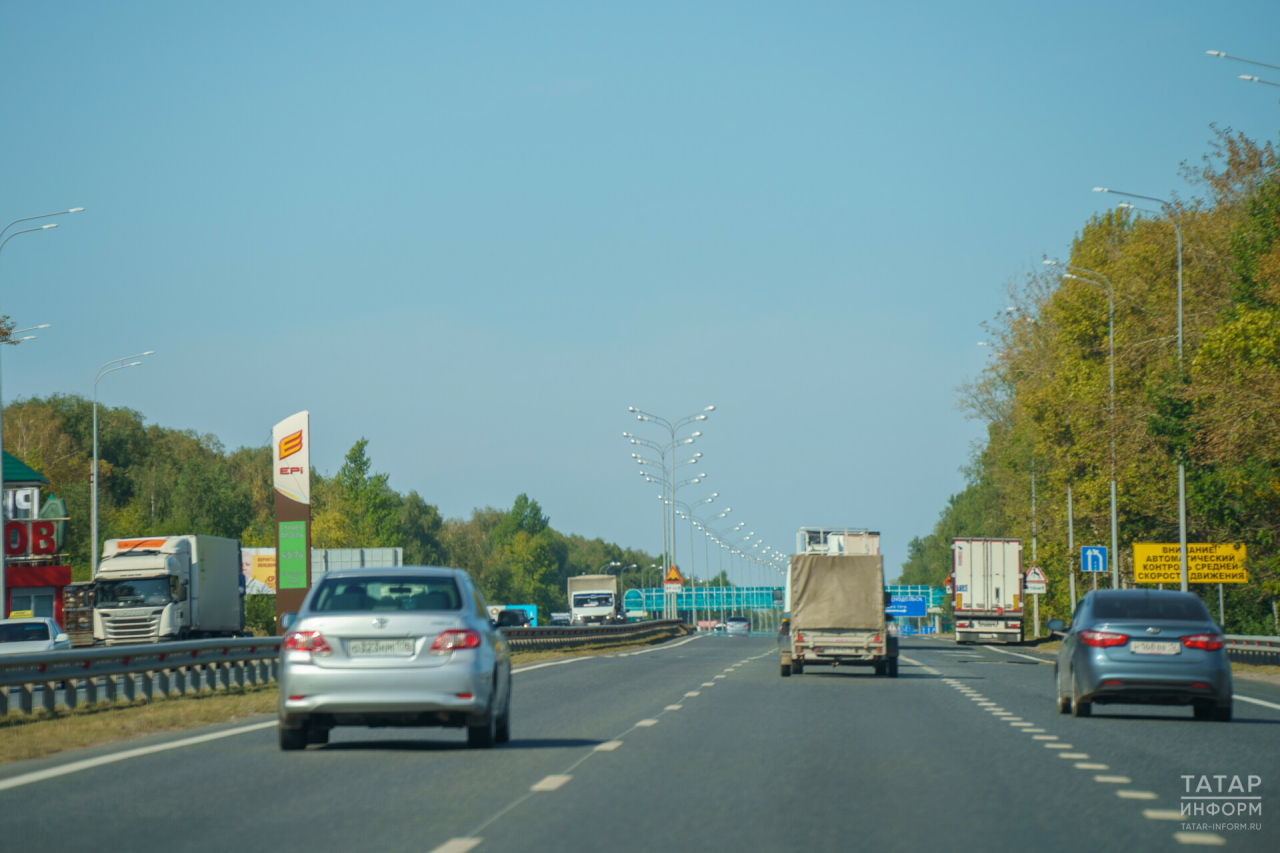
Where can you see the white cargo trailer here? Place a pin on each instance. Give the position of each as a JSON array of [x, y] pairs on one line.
[[987, 582]]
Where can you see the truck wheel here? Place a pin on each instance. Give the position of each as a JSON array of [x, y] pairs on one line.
[[786, 670], [797, 667], [893, 668], [291, 739]]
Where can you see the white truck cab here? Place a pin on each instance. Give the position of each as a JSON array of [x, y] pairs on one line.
[[168, 588]]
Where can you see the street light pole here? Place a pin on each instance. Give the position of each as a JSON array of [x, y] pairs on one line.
[[1111, 406], [1182, 469], [4, 607], [93, 511]]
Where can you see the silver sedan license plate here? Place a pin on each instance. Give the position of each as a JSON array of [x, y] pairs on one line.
[[1148, 647], [371, 648]]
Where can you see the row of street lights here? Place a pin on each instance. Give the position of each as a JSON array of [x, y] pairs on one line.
[[664, 471], [109, 367]]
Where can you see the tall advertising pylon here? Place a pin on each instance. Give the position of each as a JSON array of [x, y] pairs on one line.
[[291, 477]]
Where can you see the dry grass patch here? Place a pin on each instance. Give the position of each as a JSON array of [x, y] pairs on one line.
[[40, 734]]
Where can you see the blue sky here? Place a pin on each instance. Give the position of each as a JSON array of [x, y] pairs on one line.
[[476, 234]]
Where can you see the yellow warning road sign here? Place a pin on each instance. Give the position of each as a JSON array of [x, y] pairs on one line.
[[1155, 562], [673, 576]]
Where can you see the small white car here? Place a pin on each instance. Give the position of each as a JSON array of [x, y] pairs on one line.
[[737, 625], [37, 634]]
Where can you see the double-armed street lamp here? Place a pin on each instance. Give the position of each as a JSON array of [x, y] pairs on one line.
[[4, 610], [667, 450], [1249, 77]]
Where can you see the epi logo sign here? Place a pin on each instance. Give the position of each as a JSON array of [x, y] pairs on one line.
[[290, 445]]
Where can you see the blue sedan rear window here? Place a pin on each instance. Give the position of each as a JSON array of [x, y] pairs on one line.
[[347, 595], [1150, 607]]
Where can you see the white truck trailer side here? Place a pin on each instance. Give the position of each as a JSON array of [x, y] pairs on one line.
[[151, 589], [987, 579]]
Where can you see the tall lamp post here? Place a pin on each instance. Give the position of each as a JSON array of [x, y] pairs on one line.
[[1111, 406], [1174, 220], [4, 608], [672, 428], [110, 367]]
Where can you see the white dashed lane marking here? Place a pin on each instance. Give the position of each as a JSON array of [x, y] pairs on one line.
[[694, 693], [608, 746], [457, 845], [1086, 766], [647, 723], [1113, 780], [1136, 795], [1045, 737], [673, 708], [551, 783], [1162, 814]]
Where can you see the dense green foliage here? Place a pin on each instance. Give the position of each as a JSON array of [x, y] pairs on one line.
[[1045, 396], [158, 481]]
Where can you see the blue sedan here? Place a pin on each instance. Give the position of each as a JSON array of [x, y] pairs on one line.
[[1143, 647]]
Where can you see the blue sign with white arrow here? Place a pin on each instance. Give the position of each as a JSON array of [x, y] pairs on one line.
[[1093, 558]]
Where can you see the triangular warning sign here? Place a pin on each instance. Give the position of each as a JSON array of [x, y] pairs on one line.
[[1034, 575], [673, 576]]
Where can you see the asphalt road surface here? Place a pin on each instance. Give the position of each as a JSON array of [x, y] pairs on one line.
[[693, 745]]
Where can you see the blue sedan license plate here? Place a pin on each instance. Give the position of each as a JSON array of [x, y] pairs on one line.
[[370, 648], [1147, 647]]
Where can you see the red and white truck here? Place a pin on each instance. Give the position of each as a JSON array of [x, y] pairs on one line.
[[986, 580]]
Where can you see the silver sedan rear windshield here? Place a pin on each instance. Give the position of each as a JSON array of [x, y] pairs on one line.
[[1150, 607], [347, 595]]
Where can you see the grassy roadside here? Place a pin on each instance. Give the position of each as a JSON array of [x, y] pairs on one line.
[[41, 735]]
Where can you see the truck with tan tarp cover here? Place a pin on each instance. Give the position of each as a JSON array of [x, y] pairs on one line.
[[837, 615]]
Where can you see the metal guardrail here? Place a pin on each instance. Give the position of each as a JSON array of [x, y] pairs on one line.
[[560, 636], [165, 669], [1244, 648], [113, 672]]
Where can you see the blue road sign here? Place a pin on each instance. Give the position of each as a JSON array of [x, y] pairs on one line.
[[907, 605], [1093, 558]]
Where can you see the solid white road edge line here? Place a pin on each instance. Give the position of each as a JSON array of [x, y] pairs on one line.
[[591, 657], [85, 764], [1258, 701]]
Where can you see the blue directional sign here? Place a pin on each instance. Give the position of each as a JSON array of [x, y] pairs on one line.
[[1093, 558], [907, 605]]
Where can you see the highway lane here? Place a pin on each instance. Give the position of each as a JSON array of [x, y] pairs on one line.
[[831, 760]]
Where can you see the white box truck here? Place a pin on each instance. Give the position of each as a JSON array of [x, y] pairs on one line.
[[593, 600], [160, 588], [837, 615], [987, 582]]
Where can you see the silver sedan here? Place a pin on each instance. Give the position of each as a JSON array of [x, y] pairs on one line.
[[394, 647], [1143, 647]]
